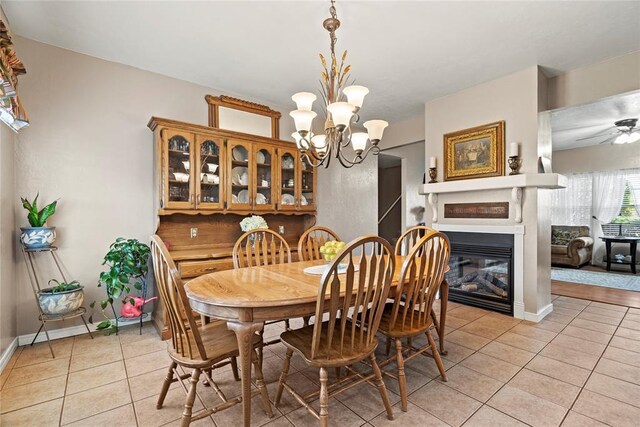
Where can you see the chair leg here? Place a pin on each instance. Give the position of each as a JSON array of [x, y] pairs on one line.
[[234, 368], [436, 356], [191, 398], [381, 387], [165, 385], [286, 325], [324, 398], [261, 347], [402, 379], [283, 376], [305, 320], [261, 387]]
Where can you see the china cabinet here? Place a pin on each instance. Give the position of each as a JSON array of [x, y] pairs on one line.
[[208, 179]]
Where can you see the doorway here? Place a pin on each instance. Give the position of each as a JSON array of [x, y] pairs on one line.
[[389, 197]]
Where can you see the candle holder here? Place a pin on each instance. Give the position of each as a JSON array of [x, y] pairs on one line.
[[433, 174], [514, 163]]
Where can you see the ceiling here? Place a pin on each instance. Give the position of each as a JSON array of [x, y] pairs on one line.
[[571, 124], [405, 52]]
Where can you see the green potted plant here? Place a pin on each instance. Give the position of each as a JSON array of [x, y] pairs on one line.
[[61, 299], [38, 235], [127, 262]]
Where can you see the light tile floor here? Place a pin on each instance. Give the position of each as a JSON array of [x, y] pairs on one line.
[[578, 367]]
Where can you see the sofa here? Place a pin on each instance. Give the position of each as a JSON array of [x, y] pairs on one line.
[[570, 245]]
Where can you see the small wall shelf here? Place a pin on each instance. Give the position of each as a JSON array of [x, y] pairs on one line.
[[514, 182]]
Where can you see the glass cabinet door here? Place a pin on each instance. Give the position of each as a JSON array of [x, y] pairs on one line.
[[288, 179], [307, 191], [207, 175], [178, 188], [240, 179], [265, 166]]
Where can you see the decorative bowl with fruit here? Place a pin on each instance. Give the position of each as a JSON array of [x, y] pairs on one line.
[[331, 249]]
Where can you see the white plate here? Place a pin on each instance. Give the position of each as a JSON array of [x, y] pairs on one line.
[[260, 199], [243, 196], [303, 201], [234, 198], [318, 270], [212, 167], [287, 199], [236, 175], [261, 158], [239, 154]]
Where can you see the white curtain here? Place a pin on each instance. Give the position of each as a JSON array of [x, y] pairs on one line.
[[572, 205], [608, 192]]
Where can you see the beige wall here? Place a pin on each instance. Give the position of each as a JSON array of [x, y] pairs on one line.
[[515, 99], [603, 79], [88, 145], [404, 132], [597, 158], [8, 288]]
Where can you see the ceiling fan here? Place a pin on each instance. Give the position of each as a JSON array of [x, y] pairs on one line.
[[623, 131]]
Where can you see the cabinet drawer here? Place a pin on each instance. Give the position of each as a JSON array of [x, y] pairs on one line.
[[198, 268]]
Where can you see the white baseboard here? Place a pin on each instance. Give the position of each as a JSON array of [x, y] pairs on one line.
[[536, 317], [73, 331], [6, 355], [518, 310]]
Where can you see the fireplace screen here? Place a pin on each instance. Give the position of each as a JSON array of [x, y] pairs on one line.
[[481, 275]]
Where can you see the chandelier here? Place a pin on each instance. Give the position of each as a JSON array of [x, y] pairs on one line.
[[340, 114]]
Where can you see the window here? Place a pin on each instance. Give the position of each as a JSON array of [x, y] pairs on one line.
[[628, 213]]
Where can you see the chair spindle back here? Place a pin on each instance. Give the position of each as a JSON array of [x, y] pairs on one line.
[[410, 237], [312, 240], [365, 291], [422, 273], [266, 247], [185, 336]]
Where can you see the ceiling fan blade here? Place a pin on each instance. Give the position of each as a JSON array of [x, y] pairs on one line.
[[597, 136]]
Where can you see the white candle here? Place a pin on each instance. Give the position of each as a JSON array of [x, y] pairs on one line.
[[513, 149], [432, 162]]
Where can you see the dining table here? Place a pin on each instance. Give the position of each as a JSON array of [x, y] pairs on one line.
[[248, 297]]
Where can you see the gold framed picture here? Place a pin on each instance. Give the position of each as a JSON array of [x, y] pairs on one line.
[[474, 153]]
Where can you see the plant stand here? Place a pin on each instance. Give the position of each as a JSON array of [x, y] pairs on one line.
[[29, 259], [121, 319]]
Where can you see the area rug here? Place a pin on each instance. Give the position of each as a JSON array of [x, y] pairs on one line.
[[607, 280]]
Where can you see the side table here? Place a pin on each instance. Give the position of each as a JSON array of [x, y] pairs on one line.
[[633, 247]]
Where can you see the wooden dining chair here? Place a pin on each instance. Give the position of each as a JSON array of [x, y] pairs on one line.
[[312, 240], [403, 246], [359, 290], [261, 247], [409, 315], [199, 349]]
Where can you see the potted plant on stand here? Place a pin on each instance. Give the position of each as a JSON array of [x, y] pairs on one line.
[[127, 262], [61, 299], [38, 236]]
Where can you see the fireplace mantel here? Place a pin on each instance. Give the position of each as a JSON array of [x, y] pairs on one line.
[[514, 182]]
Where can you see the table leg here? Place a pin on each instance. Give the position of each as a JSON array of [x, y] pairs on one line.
[[633, 246], [244, 333], [608, 246], [444, 299]]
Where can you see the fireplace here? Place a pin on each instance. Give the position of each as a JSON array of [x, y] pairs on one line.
[[481, 270]]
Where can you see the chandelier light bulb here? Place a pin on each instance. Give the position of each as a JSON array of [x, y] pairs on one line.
[[355, 95], [622, 139], [319, 142], [304, 100], [375, 129], [303, 120], [359, 141], [341, 113]]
